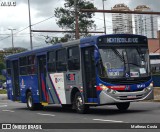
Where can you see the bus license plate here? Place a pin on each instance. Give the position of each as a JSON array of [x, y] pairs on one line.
[[131, 96]]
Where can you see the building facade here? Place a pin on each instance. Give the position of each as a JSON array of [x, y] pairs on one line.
[[122, 23], [146, 25]]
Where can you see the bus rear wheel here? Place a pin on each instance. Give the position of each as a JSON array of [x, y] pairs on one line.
[[31, 105], [79, 104], [123, 106]]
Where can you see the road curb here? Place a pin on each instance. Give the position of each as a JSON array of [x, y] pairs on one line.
[[156, 100]]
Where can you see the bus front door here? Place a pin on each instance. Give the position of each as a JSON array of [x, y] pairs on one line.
[[15, 75], [42, 78], [89, 74]]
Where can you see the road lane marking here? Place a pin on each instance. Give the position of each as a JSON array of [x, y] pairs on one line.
[[3, 106], [107, 120], [45, 114], [8, 111]]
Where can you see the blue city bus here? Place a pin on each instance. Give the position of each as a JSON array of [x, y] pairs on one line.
[[98, 70]]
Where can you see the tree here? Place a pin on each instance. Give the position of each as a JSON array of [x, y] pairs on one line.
[[5, 52], [66, 17], [14, 50], [55, 40]]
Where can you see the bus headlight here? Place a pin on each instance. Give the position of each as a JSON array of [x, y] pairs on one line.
[[103, 87], [106, 89], [113, 91], [151, 84], [149, 87]]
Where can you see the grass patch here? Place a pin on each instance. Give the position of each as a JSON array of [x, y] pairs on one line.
[[3, 91]]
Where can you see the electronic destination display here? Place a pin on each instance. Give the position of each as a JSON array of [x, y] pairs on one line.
[[122, 39]]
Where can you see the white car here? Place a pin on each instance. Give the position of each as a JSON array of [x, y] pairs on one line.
[[4, 85]]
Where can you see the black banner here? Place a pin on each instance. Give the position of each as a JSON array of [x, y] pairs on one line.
[[38, 126]]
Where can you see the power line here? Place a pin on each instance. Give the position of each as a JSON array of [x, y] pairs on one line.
[[14, 33], [42, 21], [27, 27], [21, 30]]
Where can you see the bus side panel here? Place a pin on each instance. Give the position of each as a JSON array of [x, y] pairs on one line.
[[59, 87], [53, 96], [9, 88], [29, 82], [73, 80]]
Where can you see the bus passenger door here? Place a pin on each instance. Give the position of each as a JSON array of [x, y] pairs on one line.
[[89, 74], [15, 75], [42, 78]]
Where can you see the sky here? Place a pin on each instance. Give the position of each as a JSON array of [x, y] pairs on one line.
[[16, 17]]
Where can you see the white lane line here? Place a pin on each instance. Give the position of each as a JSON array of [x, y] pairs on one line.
[[107, 120], [45, 114], [3, 106], [8, 111]]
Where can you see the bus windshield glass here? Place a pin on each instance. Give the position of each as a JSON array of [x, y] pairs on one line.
[[118, 62]]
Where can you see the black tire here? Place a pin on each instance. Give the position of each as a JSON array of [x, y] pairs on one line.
[[123, 106], [31, 105], [79, 104]]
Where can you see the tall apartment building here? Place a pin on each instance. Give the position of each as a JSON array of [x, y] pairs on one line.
[[122, 23], [146, 25]]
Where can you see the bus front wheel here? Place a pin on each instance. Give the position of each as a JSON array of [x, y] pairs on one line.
[[79, 104], [31, 105], [123, 106]]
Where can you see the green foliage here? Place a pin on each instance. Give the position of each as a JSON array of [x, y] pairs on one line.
[[9, 51], [66, 16], [2, 66], [5, 52], [14, 50], [2, 78], [55, 40], [3, 91]]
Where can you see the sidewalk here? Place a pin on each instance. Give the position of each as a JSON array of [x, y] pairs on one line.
[[157, 93], [3, 96]]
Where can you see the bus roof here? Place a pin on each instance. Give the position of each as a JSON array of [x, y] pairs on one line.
[[88, 40], [44, 49], [34, 51]]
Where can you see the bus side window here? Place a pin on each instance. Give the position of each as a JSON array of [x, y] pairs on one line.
[[31, 59], [31, 64], [73, 58], [51, 61], [61, 60], [23, 62], [8, 66]]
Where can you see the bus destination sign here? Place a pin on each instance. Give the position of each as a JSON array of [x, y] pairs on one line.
[[122, 40], [131, 39]]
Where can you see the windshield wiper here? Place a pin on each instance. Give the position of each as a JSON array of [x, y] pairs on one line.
[[118, 54], [124, 59]]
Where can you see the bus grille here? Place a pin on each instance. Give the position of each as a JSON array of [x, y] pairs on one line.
[[128, 82]]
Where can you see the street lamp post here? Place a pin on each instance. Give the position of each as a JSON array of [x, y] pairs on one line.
[[30, 25], [12, 37], [76, 19], [104, 17]]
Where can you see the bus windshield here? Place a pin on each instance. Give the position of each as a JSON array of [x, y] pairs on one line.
[[118, 62]]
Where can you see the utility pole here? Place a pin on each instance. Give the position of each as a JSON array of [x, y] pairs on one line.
[[104, 17], [76, 20], [30, 25], [12, 37]]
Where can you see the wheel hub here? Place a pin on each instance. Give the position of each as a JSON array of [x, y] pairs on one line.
[[79, 102], [30, 101]]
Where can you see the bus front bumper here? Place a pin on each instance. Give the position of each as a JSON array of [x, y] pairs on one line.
[[120, 97]]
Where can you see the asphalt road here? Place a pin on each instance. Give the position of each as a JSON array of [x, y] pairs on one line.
[[138, 112]]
